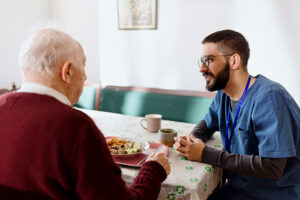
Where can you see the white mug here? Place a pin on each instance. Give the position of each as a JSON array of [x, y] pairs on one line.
[[153, 122]]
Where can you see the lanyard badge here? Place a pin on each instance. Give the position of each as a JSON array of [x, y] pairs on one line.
[[227, 141]]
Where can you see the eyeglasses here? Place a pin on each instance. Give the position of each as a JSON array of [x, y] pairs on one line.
[[206, 59]]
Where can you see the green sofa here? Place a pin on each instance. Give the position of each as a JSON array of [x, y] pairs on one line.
[[176, 105]]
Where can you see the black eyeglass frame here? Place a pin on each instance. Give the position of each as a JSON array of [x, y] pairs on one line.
[[205, 59]]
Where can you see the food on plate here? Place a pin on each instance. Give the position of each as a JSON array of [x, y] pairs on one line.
[[121, 146]]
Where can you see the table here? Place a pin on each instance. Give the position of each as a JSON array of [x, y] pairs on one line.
[[187, 180]]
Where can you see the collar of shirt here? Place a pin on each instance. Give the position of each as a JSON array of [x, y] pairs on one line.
[[42, 89]]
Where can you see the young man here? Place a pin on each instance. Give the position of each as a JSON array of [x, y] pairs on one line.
[[259, 124], [48, 150]]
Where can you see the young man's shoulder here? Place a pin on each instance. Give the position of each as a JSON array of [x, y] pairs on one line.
[[44, 106], [269, 90], [265, 83]]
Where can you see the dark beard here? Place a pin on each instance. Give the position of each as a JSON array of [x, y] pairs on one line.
[[220, 80]]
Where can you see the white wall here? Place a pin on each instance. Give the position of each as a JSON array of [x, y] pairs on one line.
[[80, 19], [16, 19], [167, 57]]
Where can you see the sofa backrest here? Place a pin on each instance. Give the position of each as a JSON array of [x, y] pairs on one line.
[[176, 105]]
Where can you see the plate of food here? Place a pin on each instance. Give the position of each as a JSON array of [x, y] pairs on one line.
[[125, 146]]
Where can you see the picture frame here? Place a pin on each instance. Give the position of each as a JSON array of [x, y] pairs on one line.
[[137, 14]]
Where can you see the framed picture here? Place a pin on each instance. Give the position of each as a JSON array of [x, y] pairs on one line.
[[137, 14]]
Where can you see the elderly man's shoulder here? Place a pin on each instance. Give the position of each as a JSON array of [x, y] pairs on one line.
[[71, 121], [72, 115]]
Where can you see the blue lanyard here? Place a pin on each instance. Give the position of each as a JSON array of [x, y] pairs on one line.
[[227, 141]]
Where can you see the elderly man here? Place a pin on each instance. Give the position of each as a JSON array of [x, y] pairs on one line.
[[259, 124], [48, 150]]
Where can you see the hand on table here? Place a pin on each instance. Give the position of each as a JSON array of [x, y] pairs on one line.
[[190, 147], [162, 160]]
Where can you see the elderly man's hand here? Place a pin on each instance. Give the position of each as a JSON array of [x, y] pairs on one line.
[[189, 147], [162, 160]]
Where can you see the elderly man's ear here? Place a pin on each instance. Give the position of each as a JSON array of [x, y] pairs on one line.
[[66, 71]]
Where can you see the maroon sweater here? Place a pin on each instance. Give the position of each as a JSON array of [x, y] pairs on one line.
[[49, 150]]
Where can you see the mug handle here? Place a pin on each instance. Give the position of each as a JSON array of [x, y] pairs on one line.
[[141, 123]]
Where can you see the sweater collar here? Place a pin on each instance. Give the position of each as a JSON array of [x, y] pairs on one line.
[[42, 89]]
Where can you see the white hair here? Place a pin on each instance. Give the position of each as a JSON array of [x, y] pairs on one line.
[[47, 49]]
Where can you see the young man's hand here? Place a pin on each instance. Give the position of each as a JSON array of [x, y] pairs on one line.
[[190, 147]]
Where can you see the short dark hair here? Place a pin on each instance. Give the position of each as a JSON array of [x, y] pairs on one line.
[[231, 42]]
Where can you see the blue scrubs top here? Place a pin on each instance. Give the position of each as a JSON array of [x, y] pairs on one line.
[[268, 125]]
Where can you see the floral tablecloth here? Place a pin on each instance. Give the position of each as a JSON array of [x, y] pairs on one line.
[[188, 179]]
